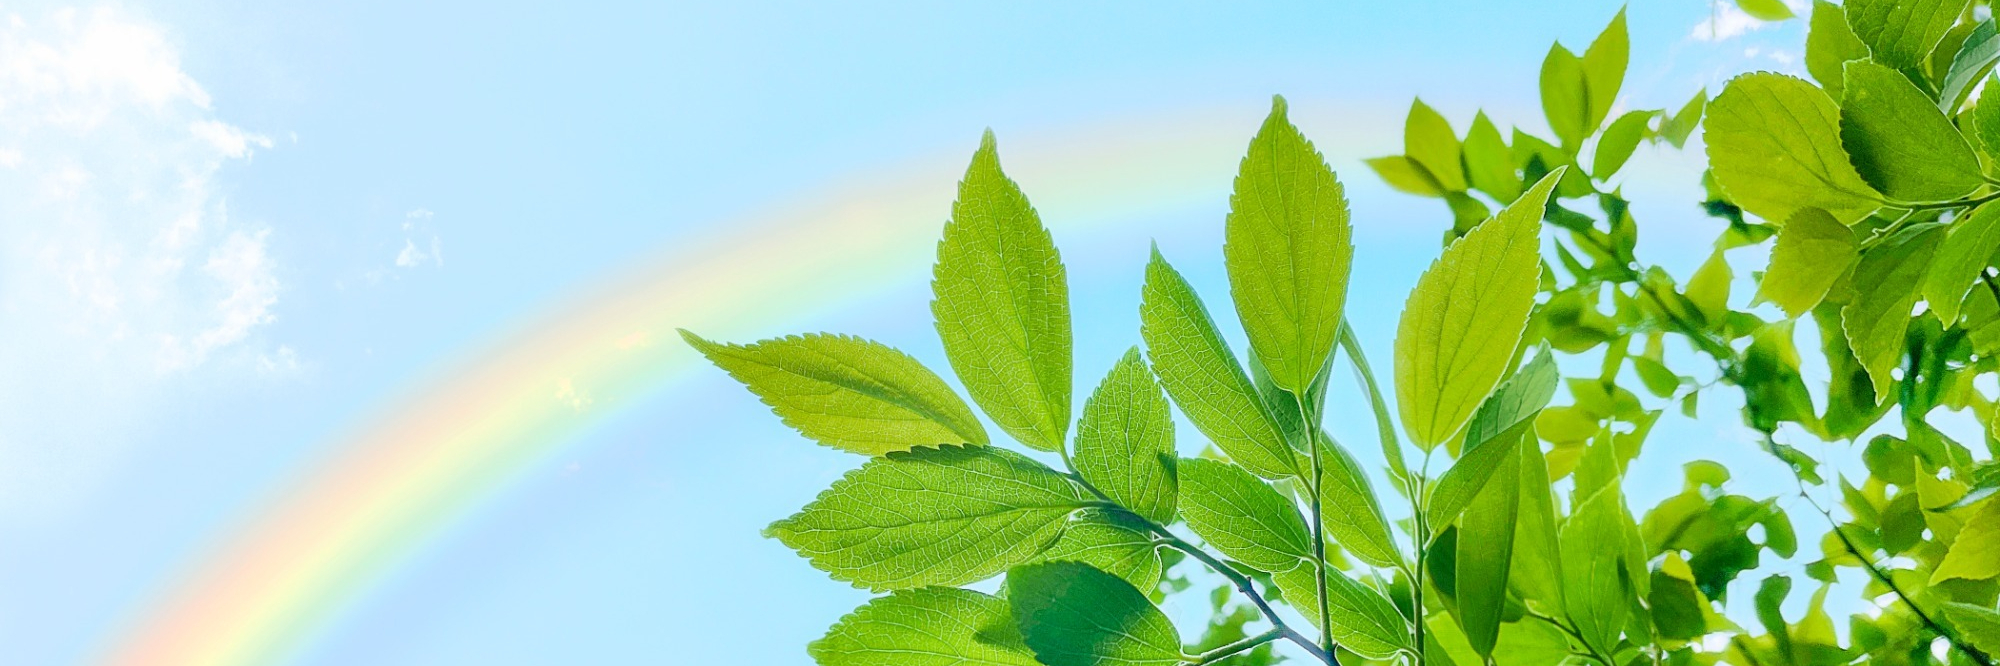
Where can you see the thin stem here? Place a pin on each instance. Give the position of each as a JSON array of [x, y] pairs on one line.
[[1869, 564], [1307, 431], [1589, 650], [1231, 649], [1243, 585], [1420, 483]]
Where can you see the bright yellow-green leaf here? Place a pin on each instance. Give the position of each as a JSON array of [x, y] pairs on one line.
[[1114, 541], [1604, 70], [1885, 289], [1774, 146], [1072, 614], [1976, 553], [1901, 33], [1429, 139], [1565, 96], [1288, 247], [1002, 305], [1986, 120], [848, 393], [1708, 288], [1813, 250], [1204, 378], [1125, 441], [1242, 517], [1899, 142], [1488, 162], [944, 516], [1675, 129], [1830, 44], [1765, 10], [1960, 260], [1485, 551], [932, 626], [1537, 571], [1406, 175], [1618, 142], [1976, 624], [1597, 593], [1364, 622], [1350, 513], [1465, 317]]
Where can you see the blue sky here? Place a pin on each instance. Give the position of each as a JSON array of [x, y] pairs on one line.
[[235, 228]]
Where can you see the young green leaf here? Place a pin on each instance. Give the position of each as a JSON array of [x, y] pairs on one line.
[[1774, 147], [1349, 511], [1676, 128], [1566, 96], [1289, 248], [1986, 122], [1072, 614], [848, 393], [932, 516], [1618, 142], [931, 626], [1978, 625], [1125, 441], [1385, 428], [1829, 45], [1708, 288], [1899, 142], [1242, 516], [1901, 33], [1429, 139], [1363, 621], [1485, 553], [1488, 163], [1971, 63], [1813, 251], [1962, 257], [1596, 591], [1472, 473], [1203, 377], [1536, 574], [1466, 315], [1885, 284], [1604, 70], [1406, 175], [1002, 305], [1975, 555], [1765, 10], [1117, 542]]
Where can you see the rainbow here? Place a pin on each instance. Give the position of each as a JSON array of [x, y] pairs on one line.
[[265, 592]]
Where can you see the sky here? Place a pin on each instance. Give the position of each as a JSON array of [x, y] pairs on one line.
[[244, 245]]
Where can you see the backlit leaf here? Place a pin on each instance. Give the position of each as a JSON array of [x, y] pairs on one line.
[[1114, 541], [1899, 142], [1429, 139], [1813, 250], [1072, 614], [1596, 590], [1242, 517], [1349, 511], [1485, 552], [1203, 377], [1617, 143], [1289, 247], [1488, 162], [1125, 441], [1604, 70], [1774, 147], [1960, 260], [1973, 60], [1001, 301], [848, 393], [1885, 284], [1901, 33], [1830, 43], [1364, 622], [1975, 555], [1765, 10], [931, 626]]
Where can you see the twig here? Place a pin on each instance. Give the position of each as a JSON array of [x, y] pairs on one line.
[[1243, 585], [1869, 564], [1231, 649]]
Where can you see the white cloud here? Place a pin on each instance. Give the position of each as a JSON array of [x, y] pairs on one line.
[[121, 270], [417, 223], [1725, 21]]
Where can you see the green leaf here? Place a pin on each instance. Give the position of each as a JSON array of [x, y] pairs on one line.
[[848, 393], [1885, 285], [1901, 33], [1537, 570], [944, 516], [1465, 317], [1708, 288], [1071, 614], [1898, 140], [1774, 147], [1565, 96], [1597, 592], [1765, 10], [1812, 252], [1975, 555], [1604, 70], [1406, 175], [1962, 257], [1117, 542], [1986, 121], [1978, 625], [1348, 508], [1002, 305], [1676, 128], [932, 626], [1485, 553], [1125, 441], [1364, 622], [1289, 247], [1488, 162], [1429, 139], [1830, 44], [1618, 143], [1971, 63], [1466, 478], [1203, 377], [1242, 516], [1516, 401], [1385, 428]]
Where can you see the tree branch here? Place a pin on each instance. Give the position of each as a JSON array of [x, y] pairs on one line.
[[1869, 564], [1243, 585]]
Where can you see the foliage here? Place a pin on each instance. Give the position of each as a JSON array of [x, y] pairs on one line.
[[1504, 536]]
